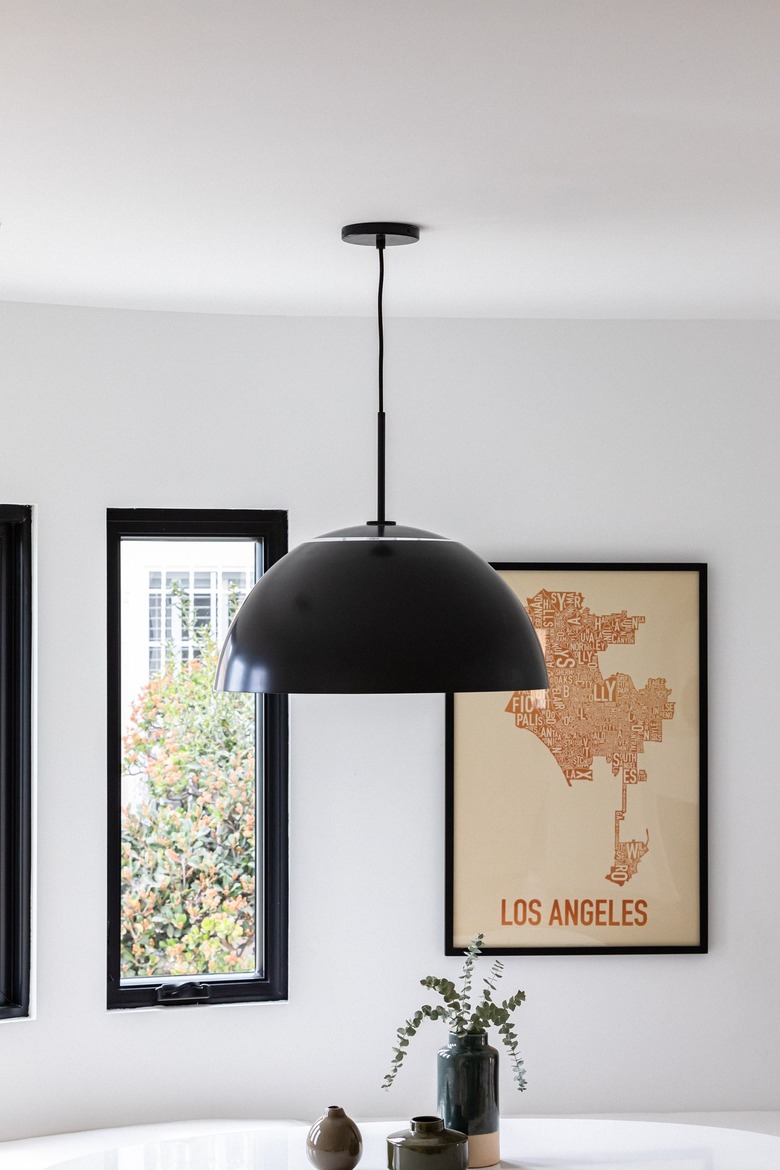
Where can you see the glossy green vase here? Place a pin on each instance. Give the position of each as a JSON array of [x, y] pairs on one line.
[[467, 1079], [427, 1145]]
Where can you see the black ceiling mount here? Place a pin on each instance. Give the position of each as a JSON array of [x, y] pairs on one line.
[[370, 233]]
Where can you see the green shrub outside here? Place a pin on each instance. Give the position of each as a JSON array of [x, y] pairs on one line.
[[188, 851]]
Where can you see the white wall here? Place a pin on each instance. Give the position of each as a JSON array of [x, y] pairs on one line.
[[526, 440]]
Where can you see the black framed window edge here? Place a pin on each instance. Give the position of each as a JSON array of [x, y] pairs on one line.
[[269, 526], [701, 568], [16, 622]]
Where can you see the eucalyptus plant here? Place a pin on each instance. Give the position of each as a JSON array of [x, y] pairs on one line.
[[466, 1013]]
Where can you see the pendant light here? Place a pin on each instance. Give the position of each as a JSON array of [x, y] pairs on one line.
[[380, 608]]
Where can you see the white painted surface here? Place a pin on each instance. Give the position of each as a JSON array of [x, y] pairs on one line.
[[109, 1146], [566, 158], [526, 440], [561, 1142]]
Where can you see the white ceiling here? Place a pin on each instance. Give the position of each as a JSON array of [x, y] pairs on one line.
[[565, 158]]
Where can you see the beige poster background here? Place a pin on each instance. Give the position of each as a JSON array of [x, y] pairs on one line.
[[526, 842]]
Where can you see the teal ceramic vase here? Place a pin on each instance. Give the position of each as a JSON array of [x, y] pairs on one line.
[[468, 1094], [427, 1145], [334, 1141]]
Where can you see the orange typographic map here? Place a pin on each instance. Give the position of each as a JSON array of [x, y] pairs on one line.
[[587, 716]]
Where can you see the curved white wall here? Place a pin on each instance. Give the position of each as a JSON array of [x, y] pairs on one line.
[[526, 440]]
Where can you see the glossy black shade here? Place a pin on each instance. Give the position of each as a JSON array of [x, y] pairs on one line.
[[379, 610]]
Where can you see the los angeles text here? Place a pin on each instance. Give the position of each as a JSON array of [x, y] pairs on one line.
[[574, 912]]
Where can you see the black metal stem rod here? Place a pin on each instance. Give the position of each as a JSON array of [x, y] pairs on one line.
[[380, 437]]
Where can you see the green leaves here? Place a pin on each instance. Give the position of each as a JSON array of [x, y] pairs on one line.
[[188, 844], [445, 987], [462, 1015]]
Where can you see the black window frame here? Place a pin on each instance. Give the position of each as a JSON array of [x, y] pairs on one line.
[[15, 758], [269, 529]]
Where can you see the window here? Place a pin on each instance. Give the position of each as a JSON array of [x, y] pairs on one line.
[[15, 757], [197, 780], [193, 601]]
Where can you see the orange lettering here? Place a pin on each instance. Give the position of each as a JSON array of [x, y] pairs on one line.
[[524, 913]]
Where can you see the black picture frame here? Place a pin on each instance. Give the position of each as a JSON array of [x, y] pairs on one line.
[[483, 764]]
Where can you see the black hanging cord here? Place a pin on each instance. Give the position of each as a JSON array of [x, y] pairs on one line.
[[380, 235], [380, 437]]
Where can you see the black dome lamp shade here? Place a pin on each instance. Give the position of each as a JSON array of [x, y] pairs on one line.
[[380, 608]]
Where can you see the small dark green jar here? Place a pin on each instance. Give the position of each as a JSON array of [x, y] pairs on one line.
[[427, 1145]]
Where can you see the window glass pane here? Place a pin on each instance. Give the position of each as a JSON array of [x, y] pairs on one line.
[[188, 893], [235, 589], [205, 617], [155, 617]]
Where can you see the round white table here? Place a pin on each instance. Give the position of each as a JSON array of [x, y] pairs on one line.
[[526, 1144]]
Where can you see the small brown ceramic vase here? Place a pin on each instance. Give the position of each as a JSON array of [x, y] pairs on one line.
[[334, 1141]]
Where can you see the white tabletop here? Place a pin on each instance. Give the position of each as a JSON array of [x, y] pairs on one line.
[[526, 1144]]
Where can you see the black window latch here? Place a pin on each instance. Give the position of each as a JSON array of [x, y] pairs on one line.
[[172, 994]]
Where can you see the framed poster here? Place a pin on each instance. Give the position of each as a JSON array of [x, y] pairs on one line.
[[576, 817]]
